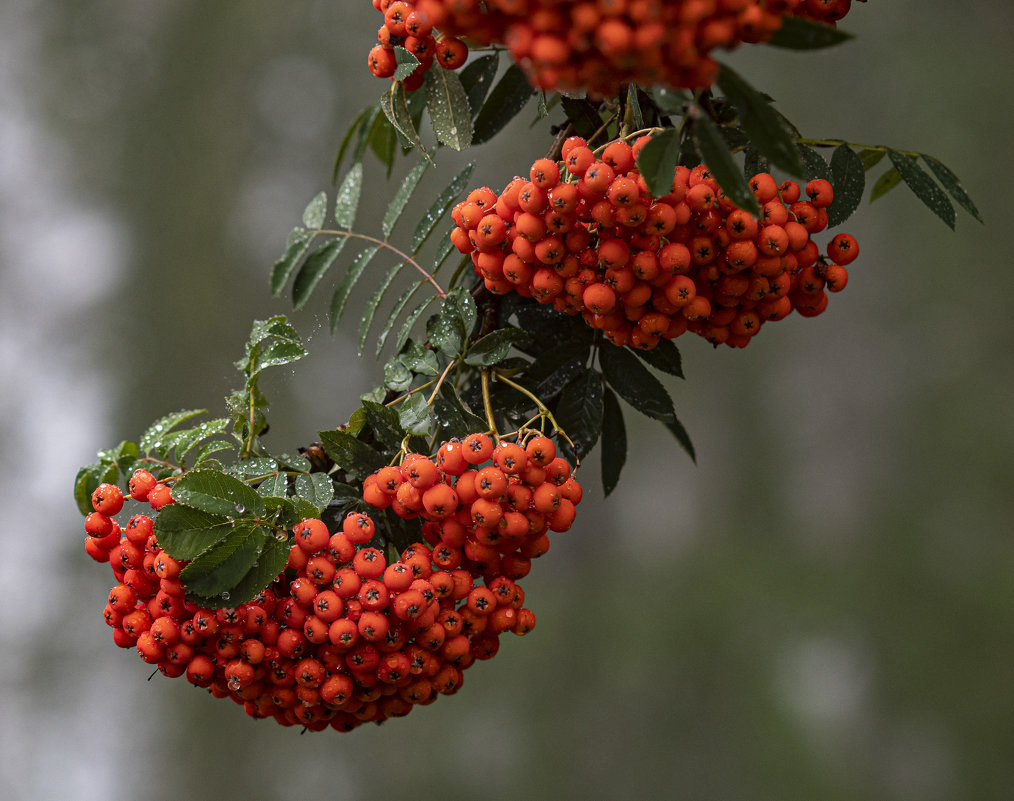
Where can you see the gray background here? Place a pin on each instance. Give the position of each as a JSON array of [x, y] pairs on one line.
[[821, 608]]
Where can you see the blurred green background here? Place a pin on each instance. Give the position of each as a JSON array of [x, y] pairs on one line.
[[821, 608]]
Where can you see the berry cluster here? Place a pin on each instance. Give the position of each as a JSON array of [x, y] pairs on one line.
[[643, 268], [343, 636], [599, 45], [403, 27]]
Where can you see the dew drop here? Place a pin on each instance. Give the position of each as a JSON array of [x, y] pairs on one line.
[[225, 596], [240, 508]]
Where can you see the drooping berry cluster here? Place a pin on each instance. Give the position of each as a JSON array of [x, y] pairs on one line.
[[599, 45], [343, 636], [403, 27], [642, 268]]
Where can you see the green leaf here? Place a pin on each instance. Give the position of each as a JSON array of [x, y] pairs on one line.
[[383, 420], [185, 532], [450, 113], [460, 300], [276, 486], [634, 106], [509, 96], [951, 183], [754, 162], [383, 141], [347, 202], [614, 442], [885, 183], [870, 158], [348, 282], [452, 417], [439, 207], [278, 353], [420, 360], [665, 357], [580, 410], [374, 302], [356, 458], [635, 384], [161, 427], [374, 127], [295, 249], [271, 561], [313, 269], [277, 327], [761, 122], [923, 186], [849, 182], [658, 159], [315, 211], [219, 569], [446, 332], [257, 466], [358, 125], [410, 320], [476, 78], [716, 155], [316, 489], [397, 377], [557, 367], [401, 198], [797, 33], [214, 446], [682, 437], [816, 166], [669, 100], [396, 310], [494, 347], [189, 438], [395, 108], [217, 493], [406, 61], [414, 415], [583, 115]]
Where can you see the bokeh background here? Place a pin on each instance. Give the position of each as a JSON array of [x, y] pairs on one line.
[[821, 608]]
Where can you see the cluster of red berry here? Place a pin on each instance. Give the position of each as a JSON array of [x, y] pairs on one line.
[[403, 27], [643, 268], [599, 45], [342, 636]]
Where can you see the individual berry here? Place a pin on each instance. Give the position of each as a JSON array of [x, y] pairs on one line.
[[107, 499]]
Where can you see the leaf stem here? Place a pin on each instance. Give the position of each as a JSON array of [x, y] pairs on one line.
[[383, 243], [487, 404], [440, 381]]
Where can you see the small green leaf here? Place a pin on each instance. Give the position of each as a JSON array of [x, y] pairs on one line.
[[439, 207], [460, 301], [669, 100], [374, 127], [414, 415], [870, 158], [313, 269], [951, 183], [276, 486], [258, 466], [185, 532], [583, 115], [797, 33], [494, 347], [401, 198], [396, 310], [923, 186], [816, 166], [383, 420], [885, 183], [88, 480], [453, 418], [191, 437], [217, 493], [406, 61], [716, 155], [634, 107], [635, 384], [271, 561], [420, 360], [476, 78], [450, 113], [316, 489], [397, 377], [214, 446], [383, 141], [682, 437], [410, 320], [614, 442], [580, 410], [357, 126], [754, 162], [219, 569], [446, 332], [658, 159], [277, 327], [295, 249], [278, 353], [665, 357], [347, 202], [509, 96], [356, 458], [761, 123], [849, 182], [374, 302], [395, 108], [161, 427], [315, 211], [348, 282]]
